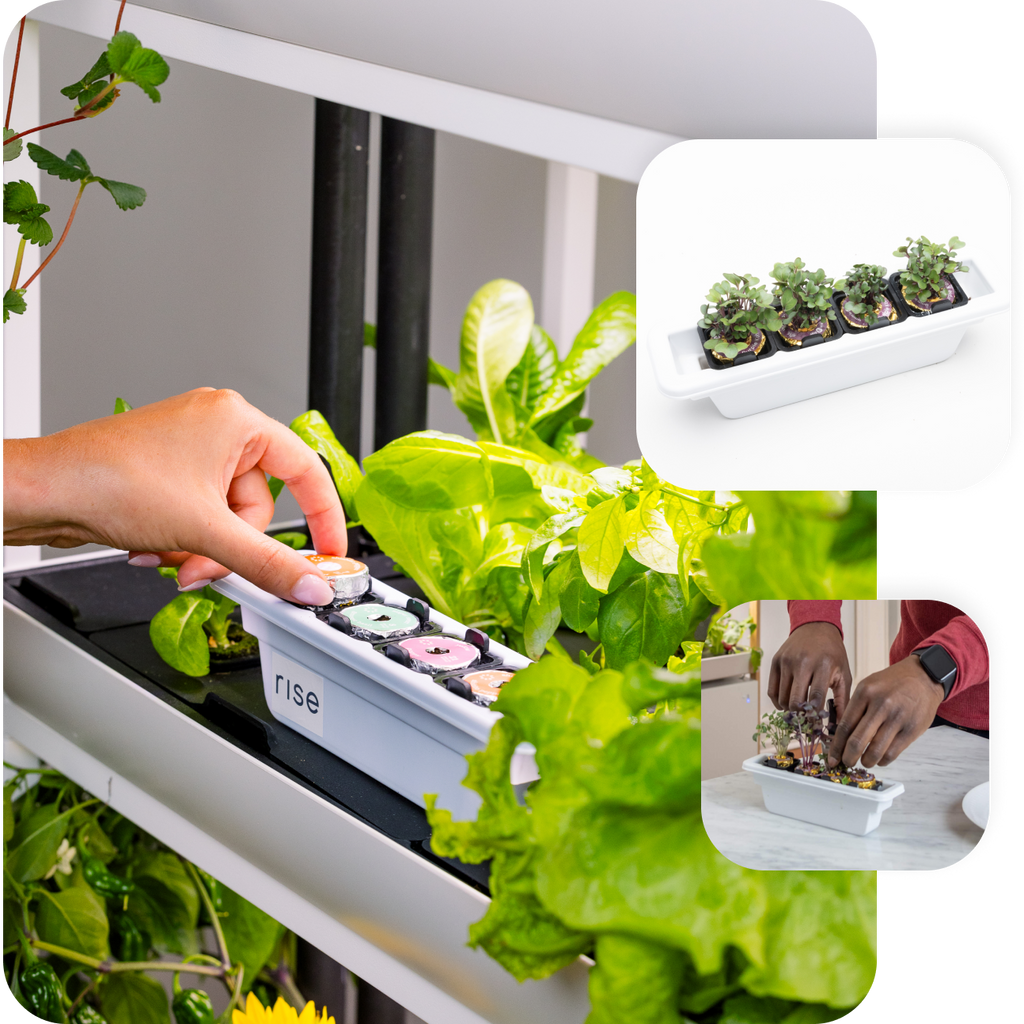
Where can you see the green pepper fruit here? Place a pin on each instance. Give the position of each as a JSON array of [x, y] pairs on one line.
[[192, 1006], [131, 944], [102, 881], [87, 1015], [41, 991]]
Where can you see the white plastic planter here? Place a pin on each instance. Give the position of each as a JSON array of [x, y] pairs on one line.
[[724, 666], [397, 725], [846, 808], [682, 371]]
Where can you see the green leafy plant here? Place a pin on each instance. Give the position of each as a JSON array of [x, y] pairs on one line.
[[125, 60], [805, 296], [725, 636], [929, 264], [866, 297], [94, 906], [774, 727], [735, 316], [511, 384], [608, 856]]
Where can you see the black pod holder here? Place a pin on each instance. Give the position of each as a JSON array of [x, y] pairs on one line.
[[836, 329], [960, 297], [339, 620], [848, 328], [769, 348]]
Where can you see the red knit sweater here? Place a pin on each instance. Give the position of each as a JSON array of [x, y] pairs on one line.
[[923, 623]]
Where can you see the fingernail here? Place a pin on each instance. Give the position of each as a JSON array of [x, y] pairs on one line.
[[198, 585], [145, 561], [312, 589]]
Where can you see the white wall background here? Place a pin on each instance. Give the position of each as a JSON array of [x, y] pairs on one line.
[[208, 282]]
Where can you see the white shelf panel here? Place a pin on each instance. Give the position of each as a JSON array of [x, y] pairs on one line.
[[387, 914]]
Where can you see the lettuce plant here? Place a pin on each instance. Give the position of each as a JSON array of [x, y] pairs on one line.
[[124, 61], [725, 636], [866, 296], [925, 278], [805, 296], [511, 384], [735, 315], [609, 856]]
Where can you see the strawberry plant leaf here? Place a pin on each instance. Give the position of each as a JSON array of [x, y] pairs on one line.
[[22, 207], [73, 168], [99, 70], [14, 302], [11, 150], [127, 197], [146, 68], [119, 49]]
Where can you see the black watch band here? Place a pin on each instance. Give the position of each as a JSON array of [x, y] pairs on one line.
[[941, 668]]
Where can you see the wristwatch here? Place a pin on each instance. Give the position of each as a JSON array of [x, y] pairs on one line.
[[941, 668]]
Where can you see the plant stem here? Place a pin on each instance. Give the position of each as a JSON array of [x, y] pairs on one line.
[[120, 11], [67, 227], [81, 995], [92, 103], [236, 992], [212, 911], [68, 954], [119, 967], [39, 128], [14, 73], [17, 264], [670, 489]]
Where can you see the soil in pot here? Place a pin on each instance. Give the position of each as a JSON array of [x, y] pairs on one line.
[[815, 771], [784, 762], [242, 651], [824, 329], [887, 312], [767, 347], [955, 296]]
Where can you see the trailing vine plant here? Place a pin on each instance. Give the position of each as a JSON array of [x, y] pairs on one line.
[[124, 61]]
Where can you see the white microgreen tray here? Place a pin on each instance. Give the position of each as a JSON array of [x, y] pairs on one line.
[[845, 808], [681, 368], [399, 726]]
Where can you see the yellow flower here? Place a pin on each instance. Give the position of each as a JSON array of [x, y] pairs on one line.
[[282, 1013]]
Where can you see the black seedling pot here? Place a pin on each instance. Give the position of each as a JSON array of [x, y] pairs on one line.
[[769, 348], [960, 297], [848, 328], [786, 764], [835, 328]]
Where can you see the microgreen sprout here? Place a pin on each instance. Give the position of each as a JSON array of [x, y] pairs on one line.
[[735, 316], [805, 296], [925, 279], [776, 730], [866, 297], [808, 724]]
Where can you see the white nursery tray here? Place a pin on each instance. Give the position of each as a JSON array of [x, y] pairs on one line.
[[845, 808], [682, 371], [397, 725]]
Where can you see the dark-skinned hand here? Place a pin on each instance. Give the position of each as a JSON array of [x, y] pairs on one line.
[[811, 662], [887, 712]]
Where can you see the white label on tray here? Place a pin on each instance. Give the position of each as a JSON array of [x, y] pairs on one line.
[[297, 694]]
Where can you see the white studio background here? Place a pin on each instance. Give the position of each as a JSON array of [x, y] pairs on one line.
[[706, 206]]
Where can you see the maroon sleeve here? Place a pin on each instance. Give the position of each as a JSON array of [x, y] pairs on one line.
[[802, 612]]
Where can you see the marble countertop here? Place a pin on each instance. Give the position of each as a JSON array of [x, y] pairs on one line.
[[925, 827]]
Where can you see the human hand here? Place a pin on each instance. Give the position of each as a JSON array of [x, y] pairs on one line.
[[811, 662], [888, 711], [181, 483]]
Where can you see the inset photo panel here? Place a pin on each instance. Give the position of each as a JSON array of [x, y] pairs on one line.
[[844, 735], [834, 308]]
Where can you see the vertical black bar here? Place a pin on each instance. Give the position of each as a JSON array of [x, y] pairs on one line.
[[376, 1008], [321, 979], [403, 278], [338, 278]]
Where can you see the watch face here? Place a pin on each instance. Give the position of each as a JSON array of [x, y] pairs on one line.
[[939, 665]]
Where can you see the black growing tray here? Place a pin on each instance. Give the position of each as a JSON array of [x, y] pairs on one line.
[[907, 310], [848, 328], [770, 347], [837, 326], [104, 607]]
